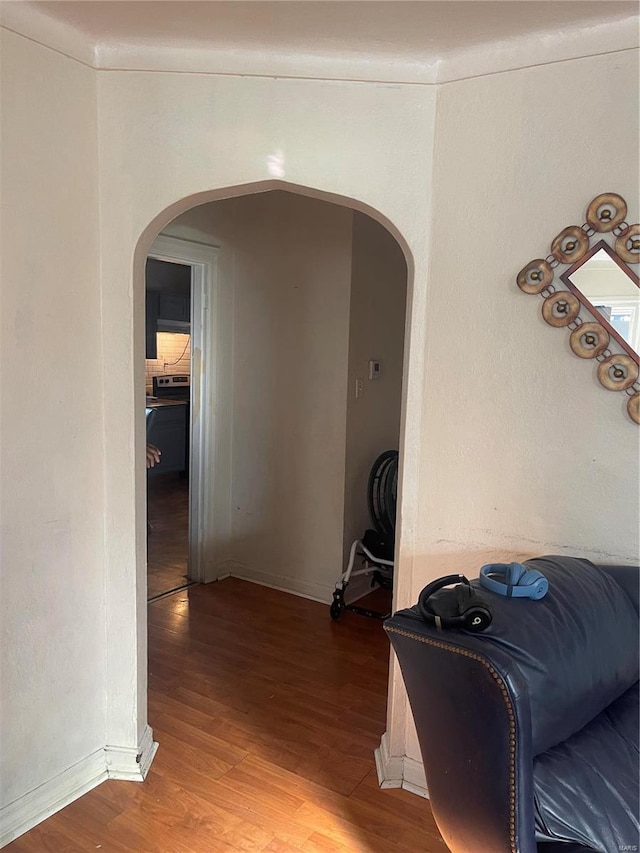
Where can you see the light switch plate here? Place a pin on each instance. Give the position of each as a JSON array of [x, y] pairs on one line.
[[375, 369]]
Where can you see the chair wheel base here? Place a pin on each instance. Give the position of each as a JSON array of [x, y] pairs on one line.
[[337, 605]]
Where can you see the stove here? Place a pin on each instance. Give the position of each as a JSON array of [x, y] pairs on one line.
[[176, 387]]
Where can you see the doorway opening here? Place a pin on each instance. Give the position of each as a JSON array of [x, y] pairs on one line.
[[179, 279], [285, 447], [307, 320], [168, 407], [308, 295]]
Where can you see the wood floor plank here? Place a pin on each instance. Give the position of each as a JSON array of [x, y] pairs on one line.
[[380, 814], [267, 714], [48, 840], [198, 738], [277, 845], [168, 543], [411, 809], [344, 839]]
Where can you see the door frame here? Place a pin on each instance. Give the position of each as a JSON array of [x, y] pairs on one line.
[[203, 432]]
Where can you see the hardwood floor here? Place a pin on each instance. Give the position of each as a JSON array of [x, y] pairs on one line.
[[168, 544], [267, 714]]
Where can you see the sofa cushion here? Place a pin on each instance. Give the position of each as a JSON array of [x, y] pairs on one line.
[[586, 789], [577, 648]]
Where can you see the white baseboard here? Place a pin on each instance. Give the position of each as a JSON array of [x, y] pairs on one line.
[[357, 589], [399, 771], [225, 569], [27, 811], [283, 583], [112, 762], [124, 762]]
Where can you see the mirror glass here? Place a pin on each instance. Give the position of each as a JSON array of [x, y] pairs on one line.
[[613, 293]]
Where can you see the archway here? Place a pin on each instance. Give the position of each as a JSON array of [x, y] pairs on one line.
[[142, 248]]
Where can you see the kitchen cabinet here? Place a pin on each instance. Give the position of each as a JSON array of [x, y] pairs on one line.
[[164, 308], [174, 306], [151, 323], [169, 434], [168, 300]]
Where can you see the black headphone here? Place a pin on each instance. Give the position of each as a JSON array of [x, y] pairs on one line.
[[462, 608]]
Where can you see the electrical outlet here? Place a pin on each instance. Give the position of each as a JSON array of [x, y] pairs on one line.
[[359, 388]]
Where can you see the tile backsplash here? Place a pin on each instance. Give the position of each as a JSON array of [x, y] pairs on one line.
[[174, 356]]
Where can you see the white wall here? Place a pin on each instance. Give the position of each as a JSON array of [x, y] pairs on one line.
[[285, 269], [524, 453], [52, 610], [290, 354], [376, 331]]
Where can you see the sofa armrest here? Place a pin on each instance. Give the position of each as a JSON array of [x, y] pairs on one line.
[[472, 717], [629, 579]]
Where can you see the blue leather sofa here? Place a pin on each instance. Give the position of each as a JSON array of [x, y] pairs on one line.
[[529, 730]]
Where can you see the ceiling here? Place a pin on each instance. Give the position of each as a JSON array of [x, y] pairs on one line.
[[399, 28], [303, 38]]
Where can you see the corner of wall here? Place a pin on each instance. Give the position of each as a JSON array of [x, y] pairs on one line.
[[399, 771]]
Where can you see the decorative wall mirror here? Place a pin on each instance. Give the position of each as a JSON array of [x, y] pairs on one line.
[[588, 285]]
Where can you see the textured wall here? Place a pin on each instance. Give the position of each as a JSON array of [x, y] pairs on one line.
[[376, 331], [524, 452], [52, 609]]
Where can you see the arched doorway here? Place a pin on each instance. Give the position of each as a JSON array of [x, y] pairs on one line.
[[144, 243]]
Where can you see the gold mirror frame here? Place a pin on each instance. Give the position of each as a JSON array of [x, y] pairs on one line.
[[563, 303]]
